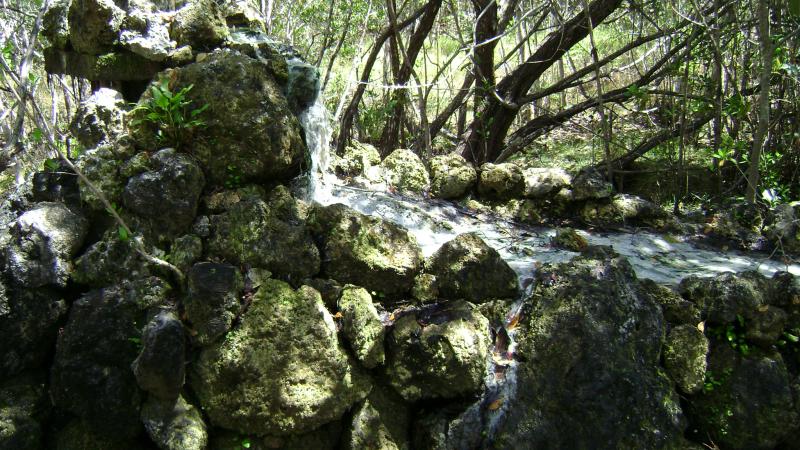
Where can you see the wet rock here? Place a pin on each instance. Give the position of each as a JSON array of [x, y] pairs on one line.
[[765, 324], [590, 184], [362, 326], [452, 176], [23, 408], [160, 366], [677, 311], [250, 134], [577, 384], [624, 209], [366, 251], [685, 352], [174, 424], [270, 235], [405, 172], [303, 85], [212, 302], [783, 227], [165, 199], [91, 376], [282, 370], [467, 268], [29, 320], [94, 25], [43, 241], [199, 24], [438, 352], [750, 406], [380, 422], [569, 239], [357, 158], [543, 182], [109, 261], [724, 297], [504, 181], [738, 224]]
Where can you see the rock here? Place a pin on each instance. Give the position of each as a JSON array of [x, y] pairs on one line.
[[270, 235], [281, 371], [160, 366], [29, 321], [330, 290], [750, 406], [452, 176], [185, 251], [569, 239], [785, 291], [113, 66], [677, 311], [212, 302], [147, 32], [503, 181], [425, 289], [174, 425], [685, 352], [303, 84], [577, 384], [109, 261], [23, 408], [250, 134], [165, 199], [199, 24], [765, 324], [59, 187], [738, 224], [467, 268], [724, 297], [94, 25], [43, 241], [357, 158], [362, 326], [543, 182], [91, 375], [380, 422], [624, 209], [101, 166], [240, 13], [55, 24], [782, 228], [79, 435], [366, 251], [405, 172], [590, 184], [438, 352]]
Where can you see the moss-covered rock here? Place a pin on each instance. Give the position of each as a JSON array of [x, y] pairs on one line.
[[569, 239], [677, 311], [452, 176], [425, 289], [624, 209], [590, 184], [109, 261], [685, 352], [724, 297], [783, 227], [282, 370], [160, 367], [94, 25], [362, 326], [213, 300], [764, 325], [503, 181], [366, 251], [55, 24], [380, 422], [357, 158], [467, 268], [541, 182], [438, 352], [174, 424], [405, 172], [101, 166], [24, 407], [80, 435], [199, 24]]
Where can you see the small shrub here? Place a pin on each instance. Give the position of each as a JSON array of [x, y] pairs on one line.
[[171, 113]]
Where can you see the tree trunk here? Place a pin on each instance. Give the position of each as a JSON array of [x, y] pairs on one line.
[[763, 101]]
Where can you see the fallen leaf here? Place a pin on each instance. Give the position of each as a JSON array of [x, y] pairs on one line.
[[495, 405]]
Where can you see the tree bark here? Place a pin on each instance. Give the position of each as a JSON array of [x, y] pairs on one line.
[[762, 130]]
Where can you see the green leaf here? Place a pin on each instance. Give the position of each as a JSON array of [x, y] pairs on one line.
[[246, 443], [794, 7], [123, 233]]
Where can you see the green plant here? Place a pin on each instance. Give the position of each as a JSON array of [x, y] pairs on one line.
[[734, 335], [233, 179], [171, 113]]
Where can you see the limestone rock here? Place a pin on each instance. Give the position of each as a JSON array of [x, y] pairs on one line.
[[94, 25], [380, 422], [405, 172], [109, 261], [590, 184], [366, 251], [101, 166], [174, 424], [212, 302], [199, 24], [569, 239], [160, 366], [185, 251], [362, 326], [147, 32], [165, 199], [438, 352], [542, 182], [55, 24], [43, 241], [452, 176], [357, 158], [240, 13], [281, 371], [764, 325], [79, 435], [783, 228], [677, 311], [502, 181], [303, 84], [467, 268], [724, 297], [685, 352], [624, 209]]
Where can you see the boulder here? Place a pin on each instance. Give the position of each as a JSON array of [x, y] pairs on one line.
[[503, 181], [213, 300], [282, 370], [240, 13], [590, 184], [80, 435], [101, 166], [43, 241], [542, 182], [99, 119], [357, 158], [24, 407], [160, 366], [452, 176], [199, 24], [250, 134], [362, 326], [109, 261], [578, 385], [185, 251], [91, 375], [404, 171], [174, 424], [724, 297], [783, 227], [685, 352], [94, 25], [55, 24], [303, 84], [164, 200], [366, 251], [59, 186], [146, 31], [764, 325], [569, 239], [438, 352], [29, 321], [270, 235], [624, 209], [467, 268], [381, 422], [677, 311]]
